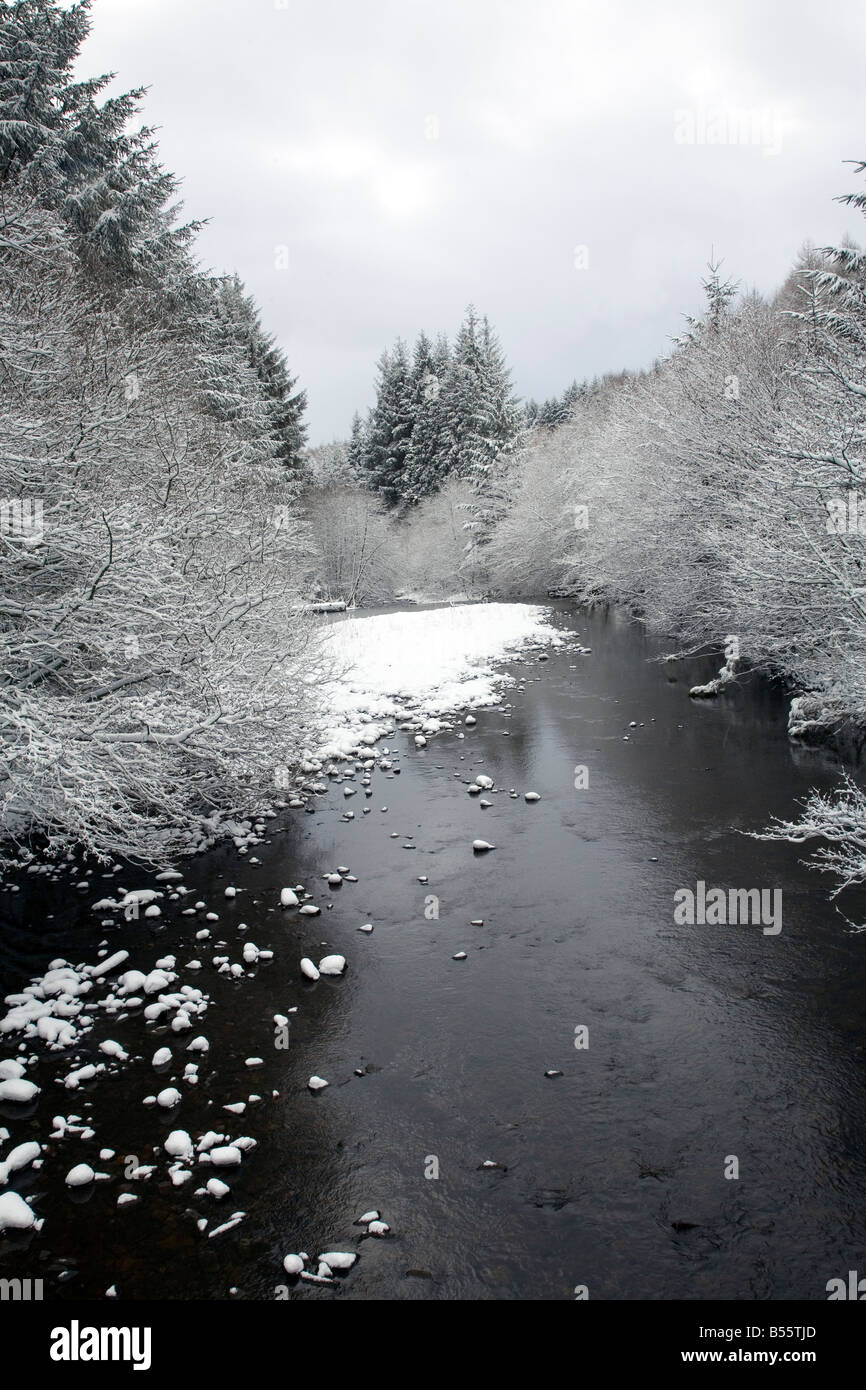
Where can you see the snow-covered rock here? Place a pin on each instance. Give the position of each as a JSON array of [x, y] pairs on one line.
[[15, 1214], [338, 1259], [80, 1175], [179, 1144], [332, 965], [225, 1156], [19, 1157], [18, 1090]]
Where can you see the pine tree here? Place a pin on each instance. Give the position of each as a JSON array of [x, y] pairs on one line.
[[79, 157], [426, 456], [445, 413], [499, 421], [389, 429], [357, 447], [719, 296], [285, 405], [462, 406]]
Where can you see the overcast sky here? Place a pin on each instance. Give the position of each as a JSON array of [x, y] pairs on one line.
[[565, 166]]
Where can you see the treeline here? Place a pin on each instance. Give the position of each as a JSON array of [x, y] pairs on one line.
[[722, 492], [717, 494], [721, 496], [151, 543]]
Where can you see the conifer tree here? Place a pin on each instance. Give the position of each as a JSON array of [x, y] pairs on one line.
[[389, 429]]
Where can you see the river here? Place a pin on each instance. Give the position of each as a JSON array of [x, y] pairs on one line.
[[705, 1043]]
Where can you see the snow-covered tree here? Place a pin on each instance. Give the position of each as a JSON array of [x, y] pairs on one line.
[[389, 428], [426, 462], [154, 667]]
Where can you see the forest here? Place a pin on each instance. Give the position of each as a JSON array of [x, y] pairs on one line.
[[166, 531]]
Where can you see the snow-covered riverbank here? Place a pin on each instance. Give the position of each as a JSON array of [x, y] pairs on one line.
[[422, 665]]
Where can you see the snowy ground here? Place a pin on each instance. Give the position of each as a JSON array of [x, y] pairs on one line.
[[422, 666]]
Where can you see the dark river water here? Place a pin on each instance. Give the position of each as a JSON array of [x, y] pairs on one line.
[[704, 1042]]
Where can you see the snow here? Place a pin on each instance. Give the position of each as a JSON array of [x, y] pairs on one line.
[[225, 1156], [95, 971], [179, 1144], [332, 965], [436, 661], [22, 1092], [15, 1215], [227, 1225], [131, 981], [19, 1157], [80, 1175], [338, 1259]]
